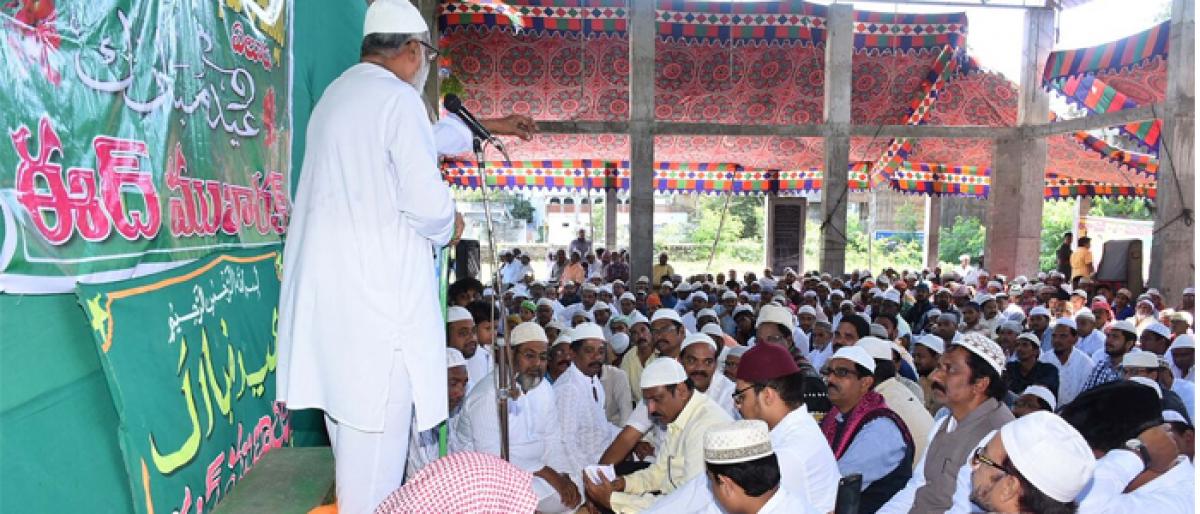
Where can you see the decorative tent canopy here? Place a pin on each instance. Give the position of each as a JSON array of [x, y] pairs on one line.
[[742, 63]]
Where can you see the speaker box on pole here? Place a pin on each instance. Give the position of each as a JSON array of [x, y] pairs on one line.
[[466, 259]]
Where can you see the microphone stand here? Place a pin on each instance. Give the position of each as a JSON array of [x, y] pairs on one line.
[[504, 377]]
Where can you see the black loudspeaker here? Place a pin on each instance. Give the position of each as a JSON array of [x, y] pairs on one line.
[[466, 259]]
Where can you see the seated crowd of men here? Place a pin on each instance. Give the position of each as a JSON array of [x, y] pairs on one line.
[[760, 393]]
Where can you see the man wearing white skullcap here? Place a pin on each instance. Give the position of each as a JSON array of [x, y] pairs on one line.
[[671, 400], [1120, 340], [1033, 399], [698, 354], [426, 446], [1073, 365], [580, 396], [536, 441], [926, 352], [1039, 463], [968, 382], [355, 344], [643, 345], [1091, 340], [743, 471]]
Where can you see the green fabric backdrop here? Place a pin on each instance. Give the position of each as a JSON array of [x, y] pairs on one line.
[[58, 440]]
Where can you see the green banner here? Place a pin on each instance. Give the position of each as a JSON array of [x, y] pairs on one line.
[[189, 355], [140, 134]]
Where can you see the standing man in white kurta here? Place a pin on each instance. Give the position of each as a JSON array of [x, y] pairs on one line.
[[359, 320]]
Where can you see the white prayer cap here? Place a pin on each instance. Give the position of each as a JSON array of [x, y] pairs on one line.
[[528, 332], [1042, 392], [1173, 416], [619, 342], [846, 303], [875, 291], [1140, 359], [695, 338], [878, 330], [742, 309], [684, 287], [932, 342], [628, 296], [669, 314], [837, 292], [1182, 316], [698, 295], [487, 291], [545, 302], [738, 441], [1009, 325], [555, 323], [892, 295], [857, 355], [1030, 338], [587, 330], [875, 347], [643, 279], [590, 288], [1049, 453], [662, 372], [1085, 314], [712, 329], [985, 348], [638, 317], [933, 313], [807, 309], [454, 358], [667, 284], [1189, 290], [393, 17], [601, 306], [1183, 341], [1123, 325], [1079, 292], [564, 337], [1039, 311], [706, 312], [457, 313], [729, 295], [775, 314], [983, 298], [1158, 328], [736, 351], [994, 283], [1146, 381], [1066, 322]]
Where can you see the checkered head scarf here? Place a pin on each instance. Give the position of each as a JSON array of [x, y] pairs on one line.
[[466, 482]]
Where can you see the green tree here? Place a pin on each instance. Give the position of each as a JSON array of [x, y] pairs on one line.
[[707, 220], [1130, 208], [749, 210], [964, 236]]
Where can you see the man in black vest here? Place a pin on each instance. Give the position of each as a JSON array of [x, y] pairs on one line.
[[866, 436]]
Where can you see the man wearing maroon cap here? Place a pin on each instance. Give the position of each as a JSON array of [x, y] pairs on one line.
[[771, 388]]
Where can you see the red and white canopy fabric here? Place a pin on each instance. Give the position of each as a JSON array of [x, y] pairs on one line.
[[736, 63]]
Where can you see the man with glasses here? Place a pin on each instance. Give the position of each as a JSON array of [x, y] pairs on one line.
[[771, 388], [1037, 463], [967, 381], [535, 437], [671, 400], [866, 436], [355, 341]]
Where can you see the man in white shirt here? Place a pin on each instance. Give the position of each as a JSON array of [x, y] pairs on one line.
[[1073, 365], [699, 358], [580, 398], [1090, 339], [1038, 463], [426, 446], [535, 438], [743, 471], [353, 341], [461, 335]]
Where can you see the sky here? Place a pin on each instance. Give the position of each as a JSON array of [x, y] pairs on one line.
[[994, 34]]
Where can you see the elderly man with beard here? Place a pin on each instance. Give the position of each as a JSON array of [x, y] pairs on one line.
[[866, 436], [580, 397], [967, 381], [671, 400], [1037, 463], [536, 440], [699, 357], [1120, 340], [821, 342], [424, 444]]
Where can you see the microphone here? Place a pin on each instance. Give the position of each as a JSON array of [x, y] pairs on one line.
[[454, 104]]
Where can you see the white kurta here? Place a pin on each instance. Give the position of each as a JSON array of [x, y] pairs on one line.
[[1173, 491], [721, 391], [358, 279], [1091, 343], [1072, 375], [478, 366], [585, 428]]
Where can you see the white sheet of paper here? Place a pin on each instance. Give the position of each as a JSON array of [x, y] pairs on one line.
[[594, 473]]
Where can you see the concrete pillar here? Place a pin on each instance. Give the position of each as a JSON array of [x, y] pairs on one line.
[[641, 137], [1083, 206], [1172, 253], [839, 50], [611, 205], [933, 228], [432, 92], [785, 231], [1013, 241]]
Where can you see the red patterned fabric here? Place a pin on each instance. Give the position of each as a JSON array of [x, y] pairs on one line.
[[466, 482]]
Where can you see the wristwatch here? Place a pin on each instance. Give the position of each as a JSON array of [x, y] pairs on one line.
[[1136, 445]]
